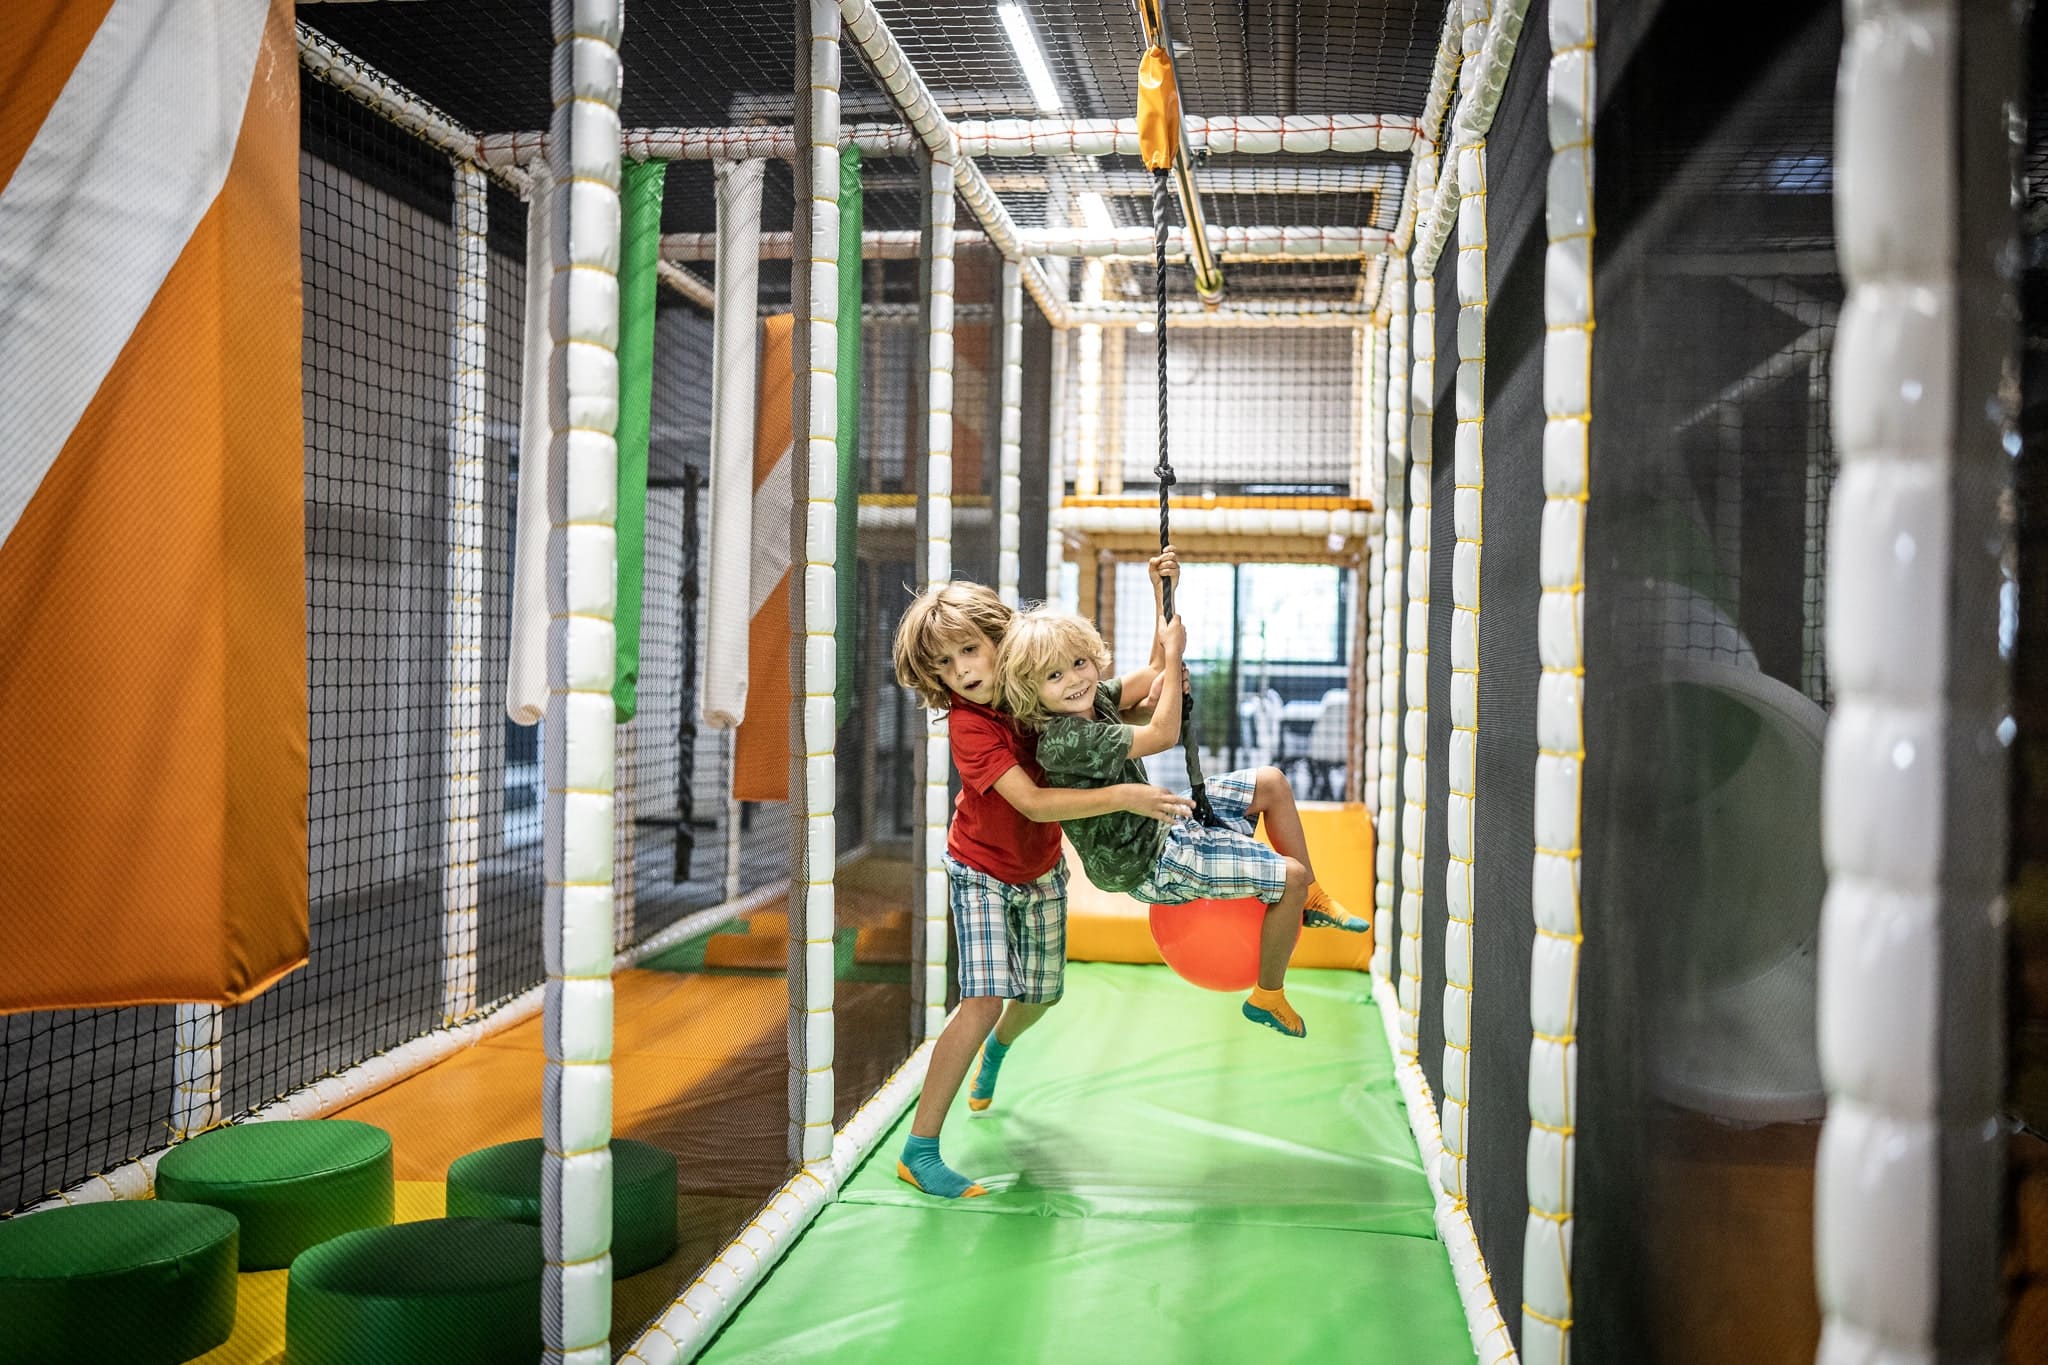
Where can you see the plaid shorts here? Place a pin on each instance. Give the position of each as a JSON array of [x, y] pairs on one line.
[[1013, 939], [1199, 862]]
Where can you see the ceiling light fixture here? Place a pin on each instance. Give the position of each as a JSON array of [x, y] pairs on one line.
[[1095, 213], [1029, 56]]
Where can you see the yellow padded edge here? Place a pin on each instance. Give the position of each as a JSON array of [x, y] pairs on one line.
[[1105, 926]]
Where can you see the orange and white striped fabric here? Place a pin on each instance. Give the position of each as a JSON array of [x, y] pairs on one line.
[[761, 753], [152, 576]]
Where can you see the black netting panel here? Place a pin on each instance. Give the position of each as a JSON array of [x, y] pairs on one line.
[[1443, 541], [977, 412], [2027, 1094], [1717, 294], [510, 877], [678, 772], [1266, 411], [80, 1091], [1338, 58], [1504, 822], [375, 208], [1035, 478]]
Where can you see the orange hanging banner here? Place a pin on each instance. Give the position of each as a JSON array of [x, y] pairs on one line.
[[153, 715], [1158, 110], [761, 744]]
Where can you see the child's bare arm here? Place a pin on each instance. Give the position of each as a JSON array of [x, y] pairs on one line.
[[1046, 805], [1138, 683], [1162, 732]]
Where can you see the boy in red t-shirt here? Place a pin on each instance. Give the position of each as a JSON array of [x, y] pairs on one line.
[[1006, 881]]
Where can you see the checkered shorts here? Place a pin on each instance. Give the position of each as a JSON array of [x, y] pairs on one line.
[[1199, 862], [1013, 939]]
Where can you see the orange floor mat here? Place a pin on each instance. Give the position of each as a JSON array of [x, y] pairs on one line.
[[699, 1067], [1104, 926]]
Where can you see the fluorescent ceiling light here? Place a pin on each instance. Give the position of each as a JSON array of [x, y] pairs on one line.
[[1095, 213], [1025, 44]]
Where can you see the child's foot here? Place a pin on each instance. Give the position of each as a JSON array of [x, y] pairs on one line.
[[1271, 1009], [1322, 911], [921, 1166], [982, 1093]]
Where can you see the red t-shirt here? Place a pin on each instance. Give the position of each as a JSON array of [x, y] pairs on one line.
[[988, 833]]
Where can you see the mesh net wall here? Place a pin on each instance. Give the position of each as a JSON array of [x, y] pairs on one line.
[[1717, 289], [1269, 650], [2027, 1267], [1035, 472], [1255, 412], [82, 1091], [679, 765], [1443, 540], [375, 220], [1504, 823], [977, 408]]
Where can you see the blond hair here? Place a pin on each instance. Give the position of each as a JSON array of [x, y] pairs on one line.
[[939, 619], [1039, 642]]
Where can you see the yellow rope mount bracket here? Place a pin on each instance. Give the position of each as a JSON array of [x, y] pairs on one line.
[[1158, 110], [1159, 142]]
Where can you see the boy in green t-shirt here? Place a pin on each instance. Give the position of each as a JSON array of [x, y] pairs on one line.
[[1051, 670]]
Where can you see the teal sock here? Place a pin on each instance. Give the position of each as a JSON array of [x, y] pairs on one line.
[[922, 1167], [984, 1089]]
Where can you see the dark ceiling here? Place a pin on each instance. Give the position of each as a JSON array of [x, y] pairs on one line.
[[694, 63]]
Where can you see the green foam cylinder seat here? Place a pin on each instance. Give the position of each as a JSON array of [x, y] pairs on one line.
[[136, 1281], [293, 1183], [447, 1291], [504, 1182]]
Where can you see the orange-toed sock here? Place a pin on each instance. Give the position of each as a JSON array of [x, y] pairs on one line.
[[1322, 910], [920, 1165], [1271, 1009], [983, 1092]]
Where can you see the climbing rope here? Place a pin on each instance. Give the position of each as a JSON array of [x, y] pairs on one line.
[[1189, 741], [1159, 142]]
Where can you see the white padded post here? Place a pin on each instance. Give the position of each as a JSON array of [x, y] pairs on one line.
[[1058, 447], [1369, 706], [195, 1071], [935, 565], [1088, 423], [1560, 700], [576, 1108], [1909, 1187], [1009, 468], [469, 339], [813, 770], [1394, 598], [1415, 639], [1460, 814]]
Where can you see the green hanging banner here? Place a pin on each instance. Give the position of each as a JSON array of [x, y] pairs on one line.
[[640, 189], [848, 558]]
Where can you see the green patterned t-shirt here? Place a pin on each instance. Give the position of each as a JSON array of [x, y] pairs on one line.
[[1119, 849]]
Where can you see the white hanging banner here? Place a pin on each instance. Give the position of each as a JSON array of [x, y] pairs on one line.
[[526, 674]]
